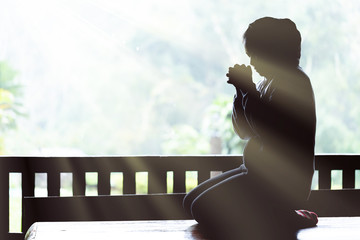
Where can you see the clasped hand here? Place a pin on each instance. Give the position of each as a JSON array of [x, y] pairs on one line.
[[240, 77]]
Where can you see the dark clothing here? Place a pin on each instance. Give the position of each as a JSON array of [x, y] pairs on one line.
[[257, 199], [279, 121]]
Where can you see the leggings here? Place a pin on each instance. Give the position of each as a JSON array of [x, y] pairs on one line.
[[236, 205], [196, 192]]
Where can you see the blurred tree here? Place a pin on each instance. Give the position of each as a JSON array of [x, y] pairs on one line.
[[215, 136], [122, 83], [218, 125], [10, 94], [185, 139]]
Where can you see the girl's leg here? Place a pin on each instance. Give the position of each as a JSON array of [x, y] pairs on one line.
[[225, 207], [241, 207], [193, 194]]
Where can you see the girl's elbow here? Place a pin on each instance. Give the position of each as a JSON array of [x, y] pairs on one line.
[[244, 135]]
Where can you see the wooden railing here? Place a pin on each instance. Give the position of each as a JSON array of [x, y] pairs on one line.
[[157, 168], [348, 164]]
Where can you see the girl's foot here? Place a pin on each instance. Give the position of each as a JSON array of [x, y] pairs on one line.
[[306, 218]]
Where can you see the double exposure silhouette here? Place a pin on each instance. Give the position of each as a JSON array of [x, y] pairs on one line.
[[277, 117]]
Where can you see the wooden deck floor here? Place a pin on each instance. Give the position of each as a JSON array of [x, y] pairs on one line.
[[344, 228]]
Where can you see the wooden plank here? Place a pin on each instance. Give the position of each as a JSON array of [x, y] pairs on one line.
[[14, 236], [142, 163], [105, 208], [328, 228], [161, 206], [337, 161], [116, 230], [332, 228], [335, 203]]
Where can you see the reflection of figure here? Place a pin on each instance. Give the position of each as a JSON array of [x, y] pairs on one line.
[[278, 119]]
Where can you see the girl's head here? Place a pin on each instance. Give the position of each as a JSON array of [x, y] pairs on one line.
[[272, 42]]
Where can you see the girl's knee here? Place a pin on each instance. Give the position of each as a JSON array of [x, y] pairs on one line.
[[206, 205], [187, 201], [197, 209]]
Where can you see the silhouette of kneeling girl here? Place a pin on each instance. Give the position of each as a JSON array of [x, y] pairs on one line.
[[262, 197]]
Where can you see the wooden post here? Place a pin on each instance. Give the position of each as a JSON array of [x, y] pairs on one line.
[[53, 183], [324, 178], [104, 187], [349, 178], [4, 199], [157, 182], [203, 176], [129, 182], [79, 183], [179, 181]]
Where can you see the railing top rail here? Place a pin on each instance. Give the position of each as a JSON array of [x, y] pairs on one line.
[[145, 163], [120, 163]]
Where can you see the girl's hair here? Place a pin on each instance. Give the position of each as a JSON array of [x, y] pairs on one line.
[[274, 39]]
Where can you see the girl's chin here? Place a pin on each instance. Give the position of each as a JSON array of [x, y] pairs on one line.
[[259, 72]]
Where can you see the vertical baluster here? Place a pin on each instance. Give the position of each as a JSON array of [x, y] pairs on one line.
[[179, 181], [79, 183], [349, 178], [4, 202], [157, 182], [28, 184], [53, 183], [129, 182], [324, 178], [203, 176], [104, 183], [28, 190]]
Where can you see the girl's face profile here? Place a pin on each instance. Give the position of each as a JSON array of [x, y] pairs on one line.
[[258, 65], [265, 67]]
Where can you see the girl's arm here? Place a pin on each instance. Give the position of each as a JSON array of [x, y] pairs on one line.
[[240, 123], [241, 78], [287, 114]]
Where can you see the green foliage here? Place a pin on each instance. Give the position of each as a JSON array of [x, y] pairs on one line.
[[184, 139], [216, 124], [218, 121], [116, 83], [10, 105], [10, 92]]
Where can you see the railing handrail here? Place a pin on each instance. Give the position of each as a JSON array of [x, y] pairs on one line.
[[156, 166]]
